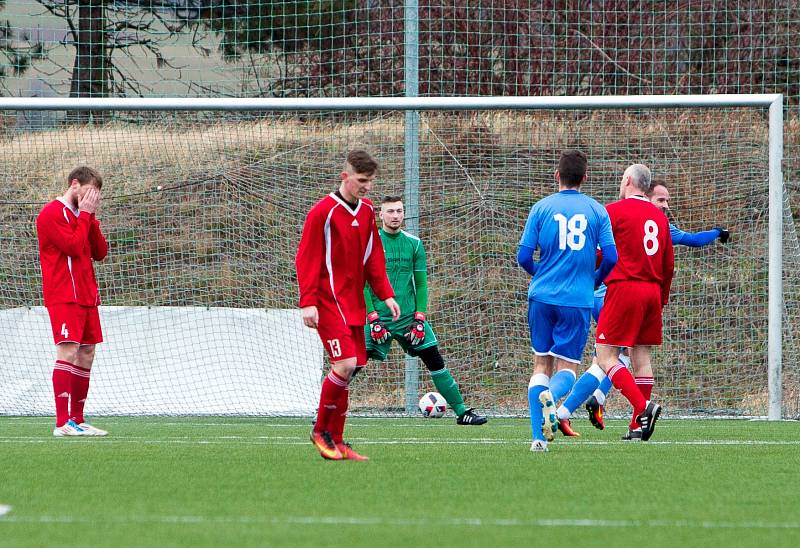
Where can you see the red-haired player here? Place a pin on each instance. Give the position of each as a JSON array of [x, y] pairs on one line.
[[69, 241]]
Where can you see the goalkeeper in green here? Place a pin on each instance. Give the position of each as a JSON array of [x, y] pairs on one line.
[[406, 267]]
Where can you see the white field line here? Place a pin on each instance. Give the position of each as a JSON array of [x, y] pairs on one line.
[[378, 423], [293, 440], [4, 509], [404, 522]]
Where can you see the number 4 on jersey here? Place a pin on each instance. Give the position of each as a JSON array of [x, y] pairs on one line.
[[64, 330]]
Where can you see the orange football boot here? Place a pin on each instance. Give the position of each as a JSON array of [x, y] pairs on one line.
[[596, 412], [566, 428], [324, 444], [348, 453]]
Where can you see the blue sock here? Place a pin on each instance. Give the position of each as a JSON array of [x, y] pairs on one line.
[[538, 384], [605, 386], [561, 383], [587, 383]]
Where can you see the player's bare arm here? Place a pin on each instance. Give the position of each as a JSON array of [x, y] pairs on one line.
[[393, 307], [310, 316]]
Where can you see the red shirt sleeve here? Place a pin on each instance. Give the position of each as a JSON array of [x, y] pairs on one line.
[[97, 242], [308, 261], [57, 231], [375, 267]]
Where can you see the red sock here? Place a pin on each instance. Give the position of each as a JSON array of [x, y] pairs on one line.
[[62, 380], [645, 385], [332, 388], [337, 420], [623, 381], [80, 387]]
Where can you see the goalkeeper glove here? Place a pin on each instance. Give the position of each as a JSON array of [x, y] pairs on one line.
[[377, 329], [415, 333], [724, 235]]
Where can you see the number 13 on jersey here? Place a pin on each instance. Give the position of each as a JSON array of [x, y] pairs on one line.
[[335, 346]]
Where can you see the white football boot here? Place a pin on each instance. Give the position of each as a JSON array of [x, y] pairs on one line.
[[550, 425], [68, 429], [89, 430], [539, 446]]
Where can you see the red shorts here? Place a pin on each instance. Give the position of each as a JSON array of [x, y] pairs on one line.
[[75, 323], [343, 341], [631, 315]]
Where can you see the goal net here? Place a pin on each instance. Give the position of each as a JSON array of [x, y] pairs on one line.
[[203, 211]]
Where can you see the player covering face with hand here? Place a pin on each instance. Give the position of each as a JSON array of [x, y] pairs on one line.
[[406, 266], [70, 240]]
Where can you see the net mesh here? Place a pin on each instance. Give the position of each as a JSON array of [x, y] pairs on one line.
[[203, 213], [356, 47]]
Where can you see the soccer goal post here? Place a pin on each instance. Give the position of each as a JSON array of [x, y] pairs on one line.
[[204, 199]]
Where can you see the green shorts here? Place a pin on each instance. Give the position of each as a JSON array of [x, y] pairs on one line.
[[396, 329]]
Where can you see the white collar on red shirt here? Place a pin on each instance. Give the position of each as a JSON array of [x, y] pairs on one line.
[[354, 212], [75, 211], [639, 197]]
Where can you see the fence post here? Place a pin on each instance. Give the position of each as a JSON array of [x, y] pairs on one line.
[[775, 330], [411, 168]]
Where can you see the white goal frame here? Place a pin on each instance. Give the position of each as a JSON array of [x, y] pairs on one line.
[[774, 102]]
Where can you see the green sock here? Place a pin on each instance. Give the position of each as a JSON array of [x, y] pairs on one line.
[[447, 387]]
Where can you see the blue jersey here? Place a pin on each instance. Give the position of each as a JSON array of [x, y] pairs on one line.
[[566, 227], [600, 292], [692, 239], [679, 237]]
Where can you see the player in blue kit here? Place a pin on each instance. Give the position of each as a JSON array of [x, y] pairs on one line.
[[566, 228], [659, 196]]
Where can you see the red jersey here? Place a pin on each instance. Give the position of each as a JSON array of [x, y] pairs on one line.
[[339, 250], [68, 242], [644, 244]]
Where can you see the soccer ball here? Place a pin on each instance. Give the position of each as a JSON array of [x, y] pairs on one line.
[[433, 405]]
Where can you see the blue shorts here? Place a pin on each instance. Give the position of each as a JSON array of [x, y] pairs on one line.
[[559, 331], [598, 305]]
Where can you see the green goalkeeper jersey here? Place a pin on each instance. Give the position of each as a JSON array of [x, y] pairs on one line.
[[407, 268]]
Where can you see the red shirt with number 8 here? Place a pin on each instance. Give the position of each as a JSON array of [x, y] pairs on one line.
[[644, 244]]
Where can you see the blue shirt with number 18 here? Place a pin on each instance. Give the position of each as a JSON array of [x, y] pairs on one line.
[[566, 228]]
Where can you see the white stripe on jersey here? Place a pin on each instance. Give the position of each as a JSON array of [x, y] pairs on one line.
[[352, 212], [69, 259], [368, 251], [412, 237], [328, 260]]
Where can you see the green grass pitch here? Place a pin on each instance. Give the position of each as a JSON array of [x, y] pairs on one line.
[[215, 481]]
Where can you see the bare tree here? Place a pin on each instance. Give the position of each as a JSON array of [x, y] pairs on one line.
[[90, 71], [103, 30]]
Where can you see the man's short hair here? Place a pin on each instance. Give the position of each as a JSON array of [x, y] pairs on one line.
[[654, 184], [572, 167], [85, 175], [641, 176], [362, 162], [390, 199]]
